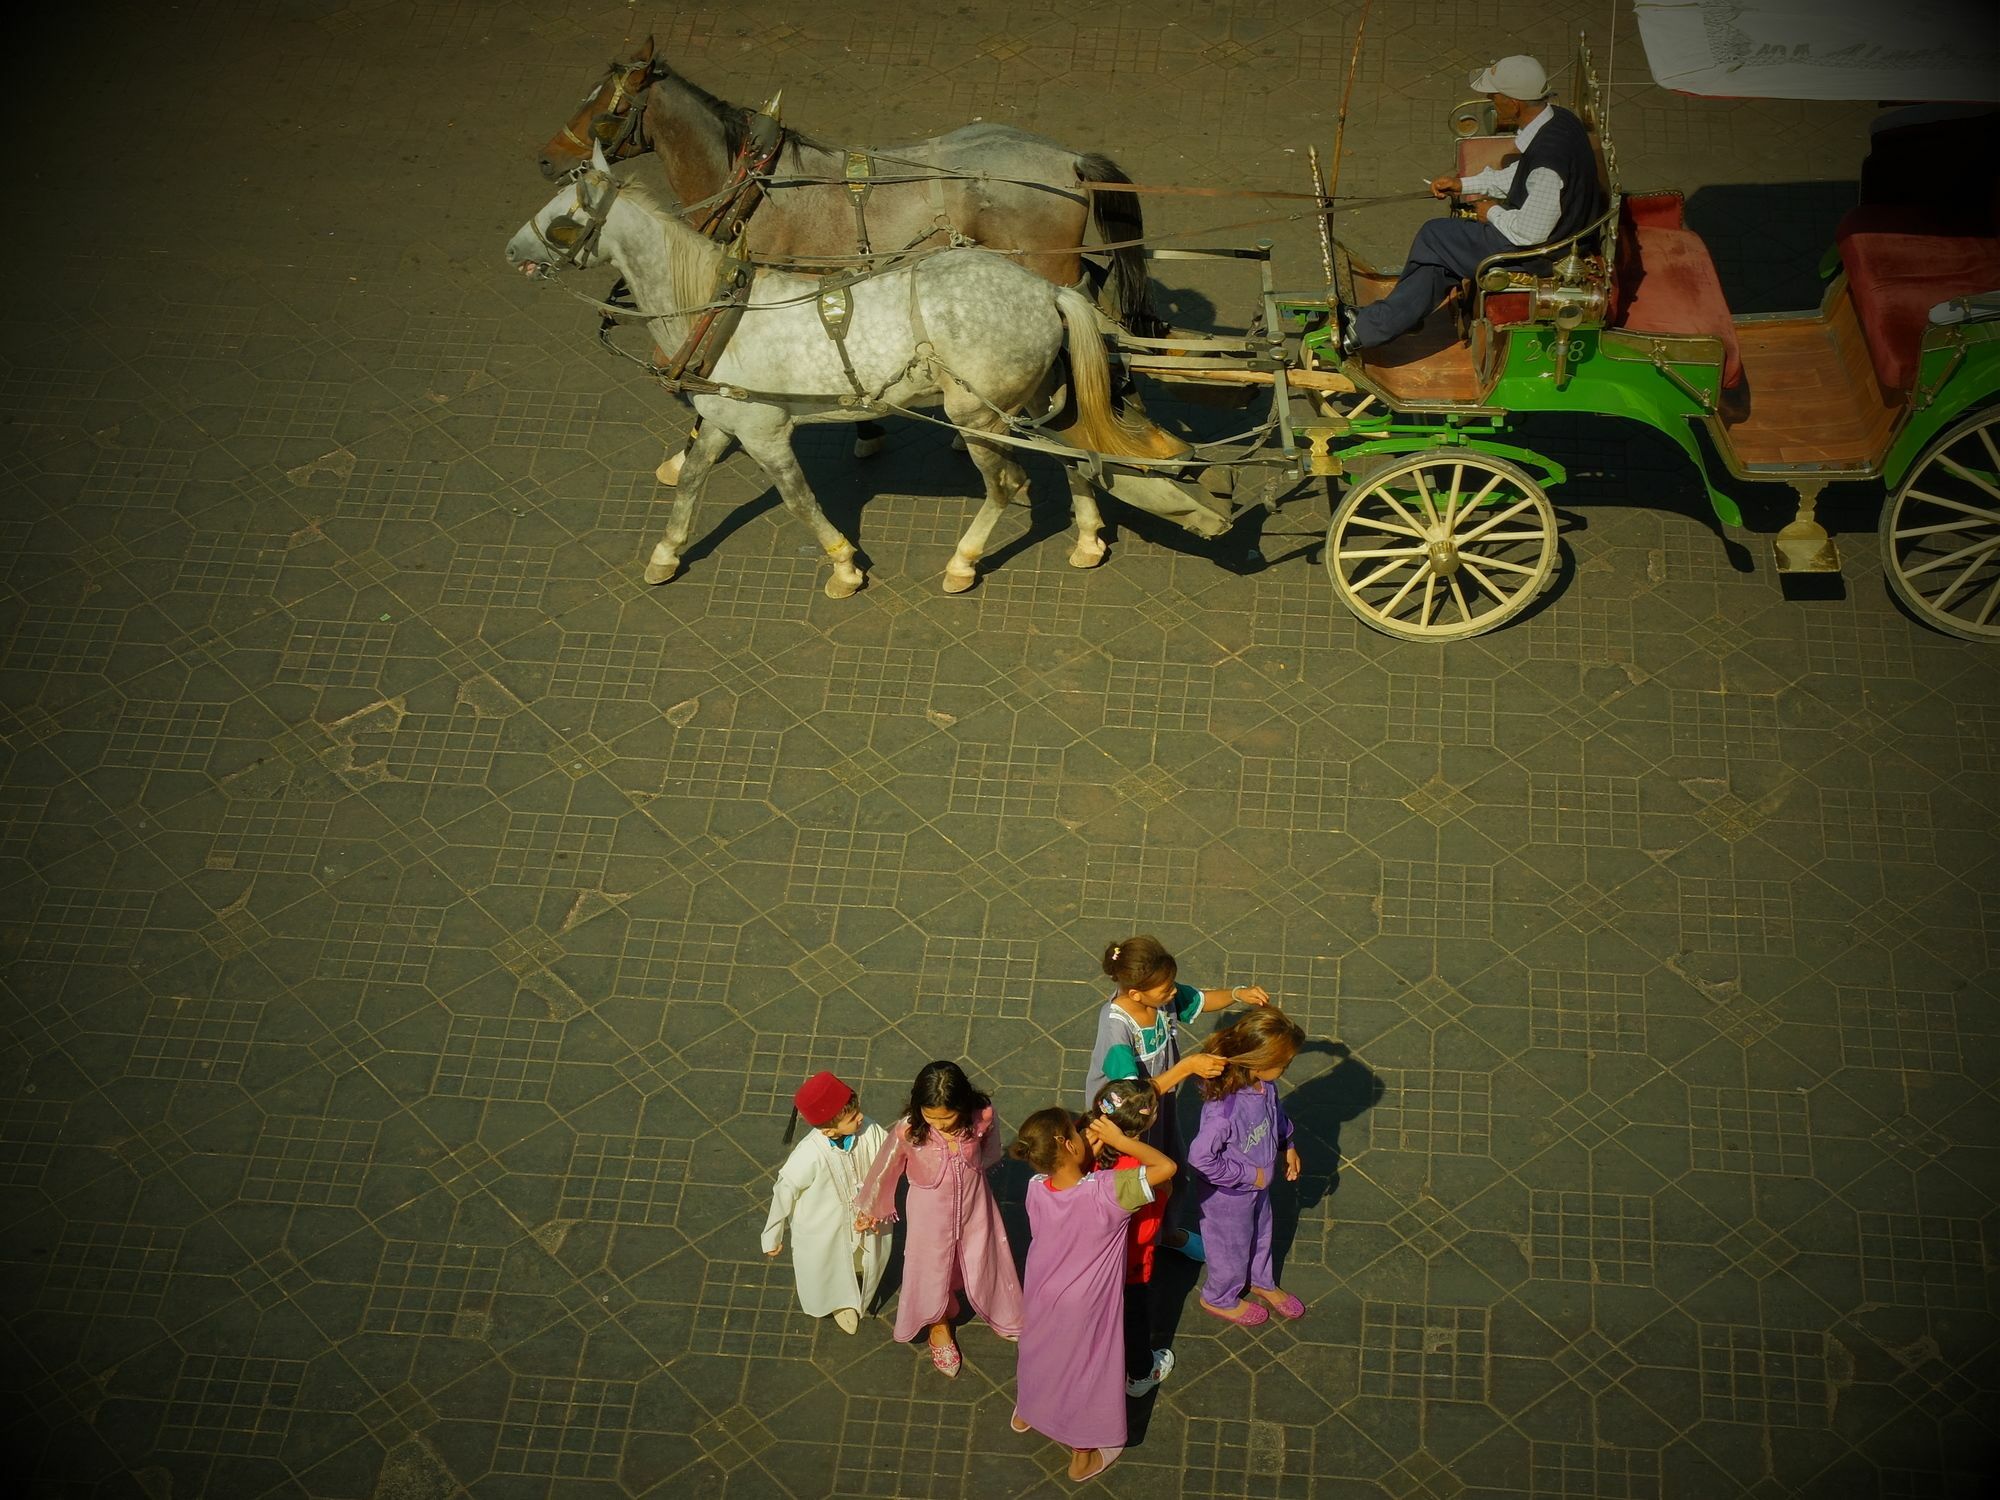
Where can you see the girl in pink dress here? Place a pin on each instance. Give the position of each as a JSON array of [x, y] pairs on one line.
[[1072, 1375], [945, 1143]]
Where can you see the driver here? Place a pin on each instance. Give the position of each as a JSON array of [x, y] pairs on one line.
[[1548, 191]]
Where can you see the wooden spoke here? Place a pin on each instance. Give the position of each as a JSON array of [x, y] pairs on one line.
[[1451, 500], [1501, 595], [1430, 500], [1977, 481], [1943, 600], [1382, 573], [1903, 533], [1940, 552], [1957, 505], [1458, 593], [1373, 552], [1992, 598], [1403, 592], [1984, 549], [1505, 566], [1416, 526], [1491, 521], [1375, 524]]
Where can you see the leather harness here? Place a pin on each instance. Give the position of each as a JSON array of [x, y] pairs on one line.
[[690, 368]]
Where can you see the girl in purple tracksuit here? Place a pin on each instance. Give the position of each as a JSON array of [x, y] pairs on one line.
[[1243, 1137]]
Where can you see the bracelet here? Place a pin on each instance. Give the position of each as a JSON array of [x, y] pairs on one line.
[[1234, 997]]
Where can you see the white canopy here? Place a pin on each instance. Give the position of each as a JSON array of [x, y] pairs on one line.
[[1825, 49]]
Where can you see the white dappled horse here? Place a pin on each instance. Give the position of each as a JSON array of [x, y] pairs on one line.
[[968, 327]]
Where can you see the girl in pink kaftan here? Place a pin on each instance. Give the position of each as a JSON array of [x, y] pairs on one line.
[[945, 1144], [1072, 1374]]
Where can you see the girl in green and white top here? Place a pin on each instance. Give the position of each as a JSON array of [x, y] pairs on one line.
[[1138, 1034]]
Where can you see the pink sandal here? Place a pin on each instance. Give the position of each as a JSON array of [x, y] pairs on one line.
[[1287, 1306], [1247, 1314], [947, 1359]]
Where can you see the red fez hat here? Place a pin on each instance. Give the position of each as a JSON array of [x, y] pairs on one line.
[[821, 1098]]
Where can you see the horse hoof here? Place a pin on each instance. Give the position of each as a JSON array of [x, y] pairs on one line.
[[669, 471], [661, 572], [867, 447], [956, 582], [958, 442], [1086, 557], [844, 588]]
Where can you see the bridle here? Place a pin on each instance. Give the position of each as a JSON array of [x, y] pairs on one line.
[[619, 126], [571, 236]]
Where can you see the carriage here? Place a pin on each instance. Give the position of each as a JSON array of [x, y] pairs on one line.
[[1443, 528]]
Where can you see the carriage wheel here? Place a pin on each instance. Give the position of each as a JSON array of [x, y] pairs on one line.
[[1440, 546], [1941, 531]]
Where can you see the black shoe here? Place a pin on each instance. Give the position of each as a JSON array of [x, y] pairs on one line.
[[1344, 332]]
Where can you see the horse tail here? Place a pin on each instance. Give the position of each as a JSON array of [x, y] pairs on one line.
[[1126, 296], [1100, 426]]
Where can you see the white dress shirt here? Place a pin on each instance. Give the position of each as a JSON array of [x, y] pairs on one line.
[[1535, 220]]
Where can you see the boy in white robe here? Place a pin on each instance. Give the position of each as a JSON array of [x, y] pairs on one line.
[[838, 1267]]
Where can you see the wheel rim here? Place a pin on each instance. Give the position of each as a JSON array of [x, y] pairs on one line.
[[1442, 547], [1941, 533]]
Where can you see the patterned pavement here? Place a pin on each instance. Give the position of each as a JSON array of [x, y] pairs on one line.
[[415, 925]]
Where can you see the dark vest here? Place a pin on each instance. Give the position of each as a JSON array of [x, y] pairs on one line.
[[1563, 146]]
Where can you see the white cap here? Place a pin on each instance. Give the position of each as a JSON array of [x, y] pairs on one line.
[[1517, 77]]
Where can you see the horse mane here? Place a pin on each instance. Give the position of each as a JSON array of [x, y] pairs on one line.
[[732, 119], [693, 257]]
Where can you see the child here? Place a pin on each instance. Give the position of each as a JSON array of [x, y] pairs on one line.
[[1138, 1036], [1068, 1387], [1132, 1106], [837, 1267], [1236, 1155], [946, 1142]]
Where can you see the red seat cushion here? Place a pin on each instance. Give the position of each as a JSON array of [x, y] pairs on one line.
[[1504, 309], [1900, 263], [1667, 284]]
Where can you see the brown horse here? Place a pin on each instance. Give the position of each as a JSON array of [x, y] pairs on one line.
[[991, 185]]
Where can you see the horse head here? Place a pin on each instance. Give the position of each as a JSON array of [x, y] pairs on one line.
[[566, 230], [612, 115]]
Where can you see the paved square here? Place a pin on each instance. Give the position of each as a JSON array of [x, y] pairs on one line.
[[415, 925]]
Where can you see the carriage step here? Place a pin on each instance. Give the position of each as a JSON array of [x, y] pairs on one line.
[[1804, 547]]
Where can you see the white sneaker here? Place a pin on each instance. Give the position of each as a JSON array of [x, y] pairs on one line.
[[847, 1319], [1163, 1366]]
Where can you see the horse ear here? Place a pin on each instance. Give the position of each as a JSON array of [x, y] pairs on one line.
[[597, 157]]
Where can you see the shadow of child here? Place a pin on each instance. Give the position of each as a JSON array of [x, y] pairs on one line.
[[1318, 1106]]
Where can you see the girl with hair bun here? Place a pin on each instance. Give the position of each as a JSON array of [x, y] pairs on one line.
[[1138, 1037]]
